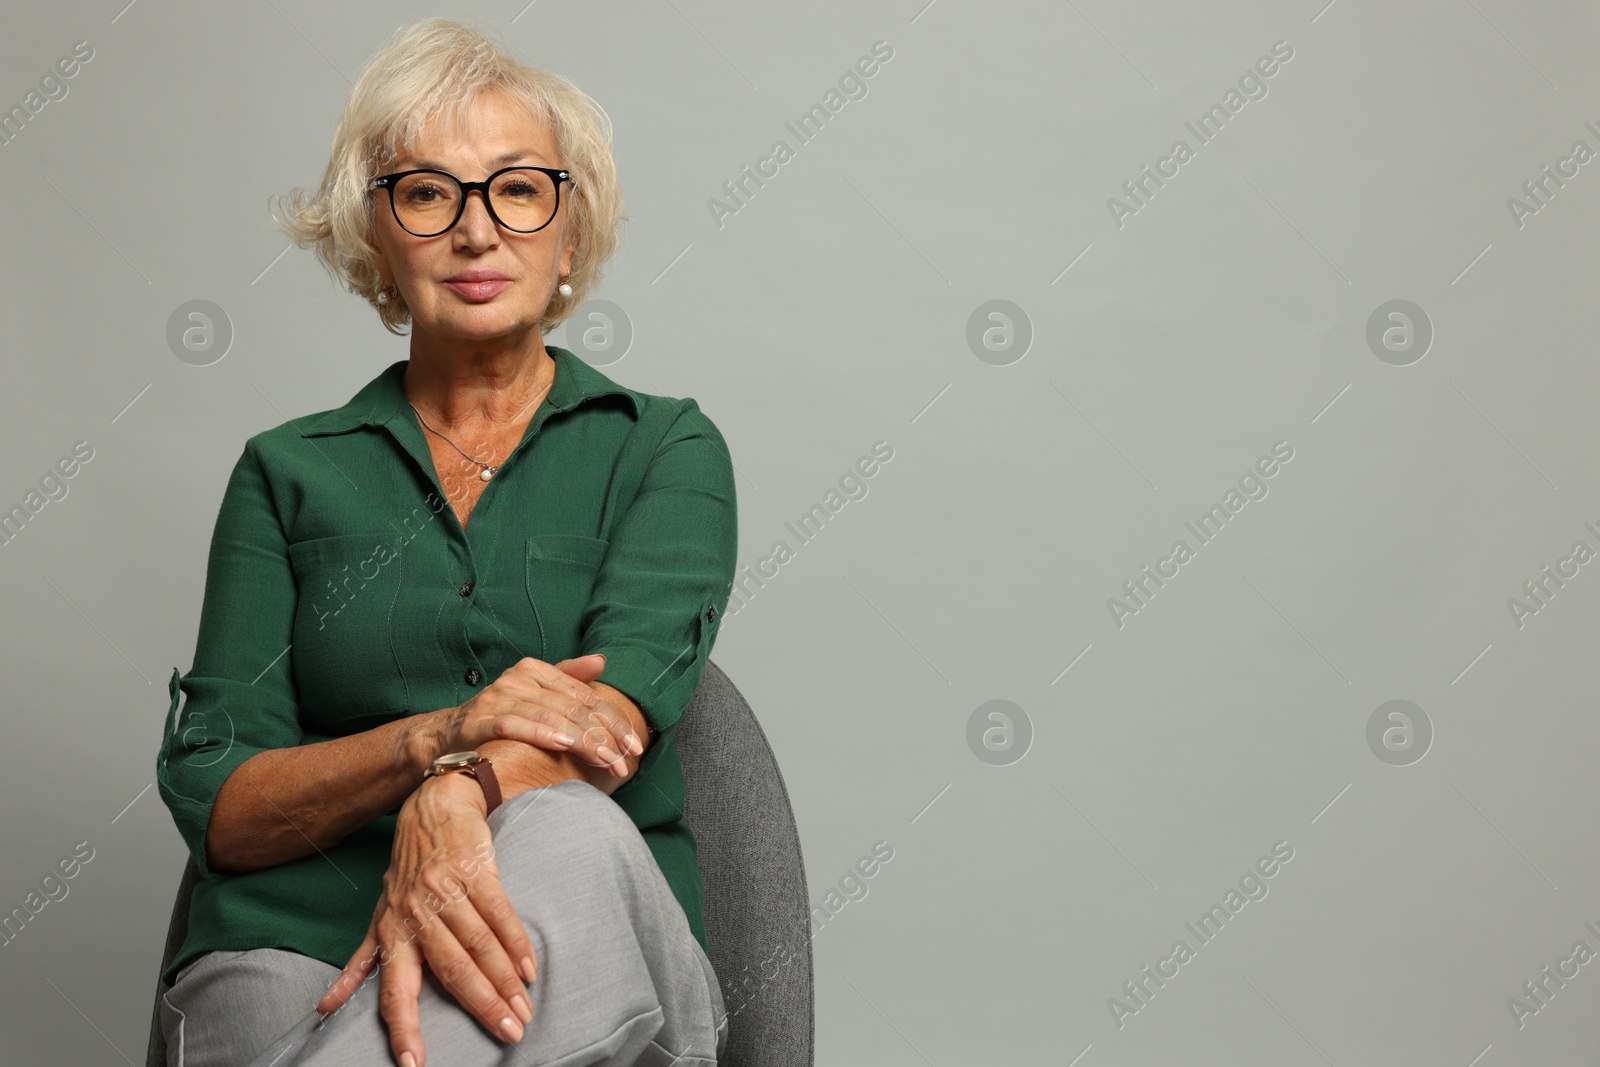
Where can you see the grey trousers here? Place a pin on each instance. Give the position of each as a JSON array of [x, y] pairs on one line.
[[621, 978]]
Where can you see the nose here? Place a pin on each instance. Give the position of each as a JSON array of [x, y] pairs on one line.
[[475, 227]]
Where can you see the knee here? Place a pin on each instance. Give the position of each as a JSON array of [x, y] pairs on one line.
[[566, 854], [560, 822]]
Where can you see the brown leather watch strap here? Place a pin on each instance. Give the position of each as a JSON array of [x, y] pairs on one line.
[[483, 771]]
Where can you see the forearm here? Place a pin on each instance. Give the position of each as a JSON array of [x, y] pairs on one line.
[[287, 803], [520, 767]]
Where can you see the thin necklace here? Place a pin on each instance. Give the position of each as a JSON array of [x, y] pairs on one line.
[[487, 472]]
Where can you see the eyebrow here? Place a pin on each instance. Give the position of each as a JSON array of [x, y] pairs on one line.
[[503, 160]]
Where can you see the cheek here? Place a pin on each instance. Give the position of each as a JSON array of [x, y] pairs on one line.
[[538, 266], [410, 263], [406, 258]]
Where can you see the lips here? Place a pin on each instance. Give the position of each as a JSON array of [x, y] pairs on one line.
[[478, 292], [477, 286]]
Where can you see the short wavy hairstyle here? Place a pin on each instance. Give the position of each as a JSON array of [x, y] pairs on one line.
[[434, 69]]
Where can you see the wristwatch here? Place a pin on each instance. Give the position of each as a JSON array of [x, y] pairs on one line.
[[474, 764]]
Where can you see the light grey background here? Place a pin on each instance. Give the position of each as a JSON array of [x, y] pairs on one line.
[[831, 312]]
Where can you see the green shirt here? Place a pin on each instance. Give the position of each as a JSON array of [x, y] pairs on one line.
[[342, 593]]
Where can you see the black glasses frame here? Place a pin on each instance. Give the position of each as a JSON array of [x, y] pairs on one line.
[[389, 181]]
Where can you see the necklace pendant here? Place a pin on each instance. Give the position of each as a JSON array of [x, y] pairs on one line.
[[487, 473]]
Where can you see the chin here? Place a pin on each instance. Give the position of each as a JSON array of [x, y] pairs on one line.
[[480, 322]]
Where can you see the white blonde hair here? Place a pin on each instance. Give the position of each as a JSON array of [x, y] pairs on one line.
[[434, 69]]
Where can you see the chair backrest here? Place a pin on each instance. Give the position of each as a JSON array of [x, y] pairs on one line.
[[757, 912], [177, 930], [757, 908]]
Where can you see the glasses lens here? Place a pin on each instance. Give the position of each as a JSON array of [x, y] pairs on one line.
[[525, 199], [426, 203]]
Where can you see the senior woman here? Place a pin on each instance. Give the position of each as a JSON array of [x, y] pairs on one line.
[[425, 765]]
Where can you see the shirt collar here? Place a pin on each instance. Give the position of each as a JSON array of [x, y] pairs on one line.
[[383, 398]]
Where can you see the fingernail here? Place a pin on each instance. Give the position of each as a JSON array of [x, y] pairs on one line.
[[524, 1010], [605, 753], [511, 1028], [635, 744], [561, 740], [530, 970], [407, 1060]]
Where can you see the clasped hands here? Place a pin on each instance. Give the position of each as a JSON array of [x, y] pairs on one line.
[[442, 900]]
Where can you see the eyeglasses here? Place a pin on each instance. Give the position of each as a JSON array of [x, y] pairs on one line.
[[427, 203]]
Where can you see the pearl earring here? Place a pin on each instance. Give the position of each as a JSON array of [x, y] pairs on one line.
[[383, 296], [564, 289]]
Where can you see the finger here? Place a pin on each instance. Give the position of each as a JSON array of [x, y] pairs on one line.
[[548, 728], [586, 701], [548, 677], [466, 981], [488, 898], [546, 716], [613, 720], [584, 668], [401, 987], [354, 973], [531, 731], [493, 958], [597, 739], [603, 732]]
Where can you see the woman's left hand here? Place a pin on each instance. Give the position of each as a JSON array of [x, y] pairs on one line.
[[443, 904]]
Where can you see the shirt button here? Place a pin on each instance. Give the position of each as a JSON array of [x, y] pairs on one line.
[[711, 613], [466, 589], [472, 676]]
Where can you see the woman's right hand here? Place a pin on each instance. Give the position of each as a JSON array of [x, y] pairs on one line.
[[549, 706]]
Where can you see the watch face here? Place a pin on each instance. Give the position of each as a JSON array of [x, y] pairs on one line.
[[456, 759]]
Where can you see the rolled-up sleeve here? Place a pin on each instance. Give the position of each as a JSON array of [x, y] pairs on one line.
[[667, 574], [240, 693]]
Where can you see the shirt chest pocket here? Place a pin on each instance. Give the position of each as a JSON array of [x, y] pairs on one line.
[[560, 572], [342, 653]]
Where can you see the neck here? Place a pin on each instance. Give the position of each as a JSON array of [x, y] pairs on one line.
[[478, 387]]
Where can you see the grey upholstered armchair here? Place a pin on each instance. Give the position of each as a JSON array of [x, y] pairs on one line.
[[757, 914]]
